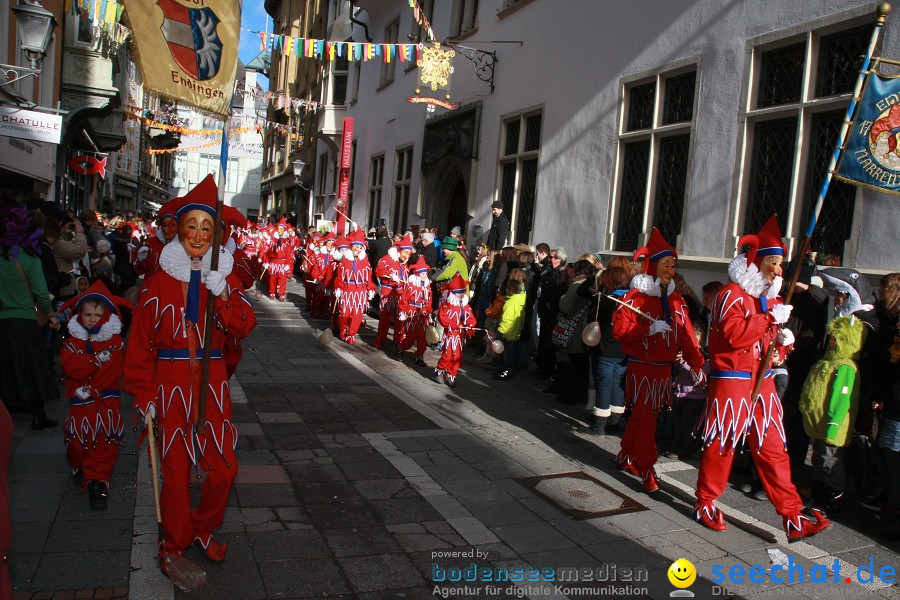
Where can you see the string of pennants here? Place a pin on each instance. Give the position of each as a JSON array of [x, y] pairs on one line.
[[209, 126], [101, 18], [328, 50], [421, 19], [278, 100], [254, 148]]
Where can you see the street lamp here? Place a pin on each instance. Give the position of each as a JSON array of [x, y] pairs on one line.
[[35, 26], [298, 170]]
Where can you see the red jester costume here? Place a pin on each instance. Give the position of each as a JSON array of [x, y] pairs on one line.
[[147, 262], [744, 323], [322, 272], [454, 316], [353, 287], [93, 359], [652, 345], [391, 272], [415, 309], [279, 257], [163, 370], [247, 270]]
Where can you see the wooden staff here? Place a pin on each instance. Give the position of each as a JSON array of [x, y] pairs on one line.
[[629, 307]]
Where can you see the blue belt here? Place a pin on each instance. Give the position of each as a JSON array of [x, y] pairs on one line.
[[415, 304], [734, 374], [184, 354], [390, 287], [104, 395], [649, 362]]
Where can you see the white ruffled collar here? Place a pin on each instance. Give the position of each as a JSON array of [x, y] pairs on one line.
[[750, 279], [650, 285], [175, 261], [457, 300], [161, 236], [112, 327]]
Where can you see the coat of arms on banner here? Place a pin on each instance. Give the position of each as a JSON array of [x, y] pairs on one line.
[[192, 38], [871, 155]]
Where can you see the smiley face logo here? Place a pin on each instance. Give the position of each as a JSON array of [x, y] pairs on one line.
[[682, 573]]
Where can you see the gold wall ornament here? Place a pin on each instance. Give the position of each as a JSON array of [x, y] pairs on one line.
[[435, 67]]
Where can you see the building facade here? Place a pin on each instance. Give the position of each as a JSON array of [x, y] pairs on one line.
[[698, 117]]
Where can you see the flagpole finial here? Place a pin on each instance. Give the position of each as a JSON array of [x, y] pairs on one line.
[[883, 10]]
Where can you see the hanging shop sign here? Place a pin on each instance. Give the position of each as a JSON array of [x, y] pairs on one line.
[[30, 125], [85, 164]]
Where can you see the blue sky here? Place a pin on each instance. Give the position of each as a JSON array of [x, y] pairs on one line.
[[253, 16]]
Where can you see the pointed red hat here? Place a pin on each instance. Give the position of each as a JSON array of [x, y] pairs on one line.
[[420, 266], [404, 243], [328, 237], [282, 223], [98, 291], [233, 217], [202, 197], [657, 247], [765, 243], [167, 210], [341, 242], [457, 284], [358, 237]]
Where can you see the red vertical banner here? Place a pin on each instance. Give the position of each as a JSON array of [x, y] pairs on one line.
[[346, 160]]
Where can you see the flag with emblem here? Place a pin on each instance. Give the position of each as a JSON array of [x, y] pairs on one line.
[[187, 50]]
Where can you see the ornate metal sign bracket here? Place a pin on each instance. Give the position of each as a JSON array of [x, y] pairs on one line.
[[483, 62]]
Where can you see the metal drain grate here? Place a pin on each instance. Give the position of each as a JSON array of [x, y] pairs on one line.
[[580, 495]]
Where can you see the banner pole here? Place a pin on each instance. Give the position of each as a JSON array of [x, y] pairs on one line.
[[883, 10], [218, 232]]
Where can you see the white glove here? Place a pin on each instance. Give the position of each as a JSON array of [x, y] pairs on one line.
[[84, 392], [371, 294], [395, 278], [402, 316], [151, 410], [104, 356], [659, 326], [143, 253], [215, 282], [786, 337], [337, 292], [781, 312]]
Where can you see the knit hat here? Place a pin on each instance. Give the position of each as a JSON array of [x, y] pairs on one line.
[[657, 247], [765, 243], [456, 231], [450, 243], [497, 204]]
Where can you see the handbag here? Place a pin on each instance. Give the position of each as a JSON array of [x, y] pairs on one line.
[[40, 315], [562, 334]]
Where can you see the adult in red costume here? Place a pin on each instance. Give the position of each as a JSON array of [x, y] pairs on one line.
[[166, 229], [652, 346], [391, 272], [323, 270], [163, 365], [93, 359], [457, 319], [415, 310], [247, 270], [744, 322], [279, 257], [353, 286]]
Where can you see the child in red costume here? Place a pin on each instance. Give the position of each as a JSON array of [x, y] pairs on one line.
[[391, 271], [353, 287], [147, 262], [652, 348], [93, 359], [744, 323], [415, 310], [279, 258], [323, 269], [163, 371], [457, 319]]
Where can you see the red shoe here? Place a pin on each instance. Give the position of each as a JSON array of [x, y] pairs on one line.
[[800, 526], [350, 340], [212, 549], [709, 516], [628, 468], [650, 483]]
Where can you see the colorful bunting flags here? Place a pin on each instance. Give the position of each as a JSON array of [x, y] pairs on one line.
[[327, 50]]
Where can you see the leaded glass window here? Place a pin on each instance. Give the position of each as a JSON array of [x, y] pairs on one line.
[[636, 160], [771, 172], [641, 99], [671, 182], [679, 103], [781, 75], [840, 58]]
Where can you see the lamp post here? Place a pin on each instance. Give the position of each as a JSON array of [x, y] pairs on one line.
[[34, 25]]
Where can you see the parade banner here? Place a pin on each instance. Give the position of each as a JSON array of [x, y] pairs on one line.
[[871, 156], [188, 51], [345, 162]]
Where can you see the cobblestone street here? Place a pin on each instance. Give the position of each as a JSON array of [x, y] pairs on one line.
[[361, 477]]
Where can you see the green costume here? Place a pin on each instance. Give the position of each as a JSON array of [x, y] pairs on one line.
[[830, 396]]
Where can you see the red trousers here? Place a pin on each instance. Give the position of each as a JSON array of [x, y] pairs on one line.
[[772, 464], [181, 524], [96, 461], [349, 325], [451, 353], [387, 316], [278, 284], [414, 333], [648, 388]]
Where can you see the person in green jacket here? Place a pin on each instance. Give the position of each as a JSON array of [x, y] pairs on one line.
[[455, 263], [511, 323], [829, 403]]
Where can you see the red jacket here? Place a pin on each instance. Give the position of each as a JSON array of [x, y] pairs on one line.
[[392, 274], [354, 279]]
